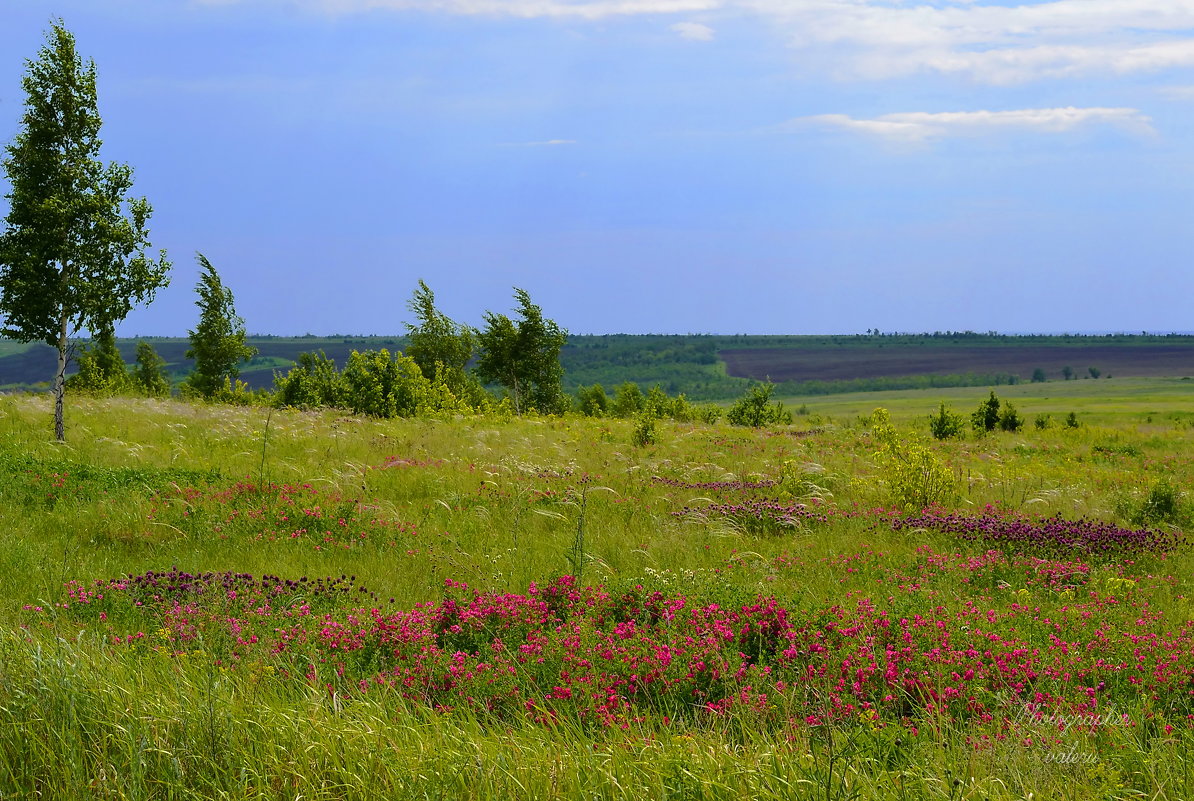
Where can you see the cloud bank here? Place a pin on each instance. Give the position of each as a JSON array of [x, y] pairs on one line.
[[920, 126], [879, 39]]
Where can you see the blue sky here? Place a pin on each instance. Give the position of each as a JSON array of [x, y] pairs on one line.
[[672, 166]]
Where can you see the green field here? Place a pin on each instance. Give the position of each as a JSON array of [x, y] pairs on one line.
[[1126, 402], [213, 602]]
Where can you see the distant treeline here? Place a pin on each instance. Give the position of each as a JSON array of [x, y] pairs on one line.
[[678, 363]]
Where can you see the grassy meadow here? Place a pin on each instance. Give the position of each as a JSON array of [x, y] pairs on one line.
[[232, 602]]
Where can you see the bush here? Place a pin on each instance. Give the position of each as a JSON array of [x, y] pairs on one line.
[[1009, 419], [1163, 504], [312, 383], [101, 368], [644, 431], [756, 410], [380, 386], [1071, 420], [946, 423], [592, 401], [628, 400], [915, 476], [986, 416], [1043, 421], [149, 376]]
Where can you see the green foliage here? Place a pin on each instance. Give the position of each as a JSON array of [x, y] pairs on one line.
[[644, 433], [986, 416], [1067, 372], [915, 476], [378, 385], [312, 383], [1038, 376], [440, 346], [73, 250], [1162, 505], [235, 392], [756, 410], [101, 368], [592, 401], [1009, 418], [946, 423], [1043, 421], [149, 375], [1071, 420], [218, 341], [524, 357], [1094, 372], [628, 400]]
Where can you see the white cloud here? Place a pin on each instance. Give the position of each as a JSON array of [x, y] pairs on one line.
[[576, 9], [920, 126], [877, 39], [989, 43], [694, 31]]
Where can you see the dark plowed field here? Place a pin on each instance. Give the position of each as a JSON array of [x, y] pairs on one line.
[[837, 362]]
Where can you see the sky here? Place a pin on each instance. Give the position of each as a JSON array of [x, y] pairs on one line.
[[652, 166]]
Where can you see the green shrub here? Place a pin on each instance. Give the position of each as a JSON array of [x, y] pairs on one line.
[[1043, 421], [644, 431], [149, 376], [1071, 420], [986, 416], [628, 400], [312, 383], [1163, 505], [101, 368], [915, 476], [380, 386], [946, 423], [592, 401], [756, 410], [1009, 419]]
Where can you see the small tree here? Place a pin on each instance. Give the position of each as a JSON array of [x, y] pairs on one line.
[[755, 408], [437, 342], [1038, 376], [218, 341], [1009, 418], [72, 254], [1094, 372], [1067, 372], [986, 416], [628, 400], [592, 401], [313, 382], [524, 357], [149, 375], [946, 423], [101, 367]]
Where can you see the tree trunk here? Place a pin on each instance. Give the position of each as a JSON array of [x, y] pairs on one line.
[[60, 382]]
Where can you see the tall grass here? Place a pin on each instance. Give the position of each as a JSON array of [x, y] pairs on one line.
[[405, 506]]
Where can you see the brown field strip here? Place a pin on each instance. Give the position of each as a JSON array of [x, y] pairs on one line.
[[837, 362]]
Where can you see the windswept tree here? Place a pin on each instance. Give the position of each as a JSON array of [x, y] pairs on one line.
[[524, 357], [73, 249], [442, 347], [218, 341]]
